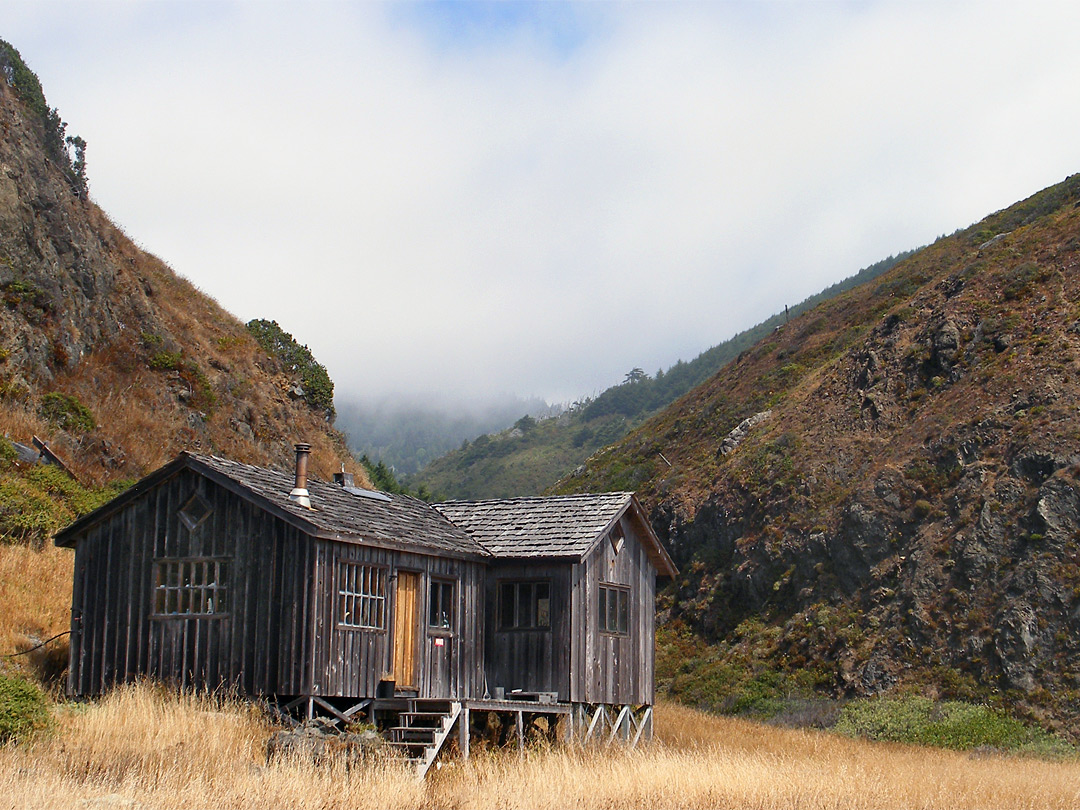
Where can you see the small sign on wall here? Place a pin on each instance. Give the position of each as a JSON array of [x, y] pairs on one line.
[[440, 642]]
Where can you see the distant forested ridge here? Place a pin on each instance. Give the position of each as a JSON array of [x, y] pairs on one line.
[[406, 436], [530, 455]]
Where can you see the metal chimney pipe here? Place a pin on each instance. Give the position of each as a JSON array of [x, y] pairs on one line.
[[300, 493]]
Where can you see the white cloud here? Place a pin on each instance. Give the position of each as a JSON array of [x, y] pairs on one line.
[[501, 214]]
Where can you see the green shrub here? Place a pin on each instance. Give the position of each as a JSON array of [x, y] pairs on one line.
[[7, 451], [67, 413], [314, 379], [950, 724], [23, 708], [36, 503], [166, 361]]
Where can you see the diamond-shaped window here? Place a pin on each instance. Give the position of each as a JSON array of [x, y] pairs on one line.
[[617, 538], [195, 511]]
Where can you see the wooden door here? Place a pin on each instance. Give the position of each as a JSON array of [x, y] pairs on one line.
[[406, 625]]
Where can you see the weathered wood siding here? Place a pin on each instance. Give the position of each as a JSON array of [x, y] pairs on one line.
[[350, 661], [610, 668], [532, 660], [260, 645]]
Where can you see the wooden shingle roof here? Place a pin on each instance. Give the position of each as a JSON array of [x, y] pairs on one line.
[[336, 513], [557, 527], [560, 526]]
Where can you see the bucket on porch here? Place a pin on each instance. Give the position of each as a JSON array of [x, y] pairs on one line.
[[386, 688], [498, 693]]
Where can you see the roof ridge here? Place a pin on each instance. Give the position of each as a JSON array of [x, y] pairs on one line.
[[530, 498]]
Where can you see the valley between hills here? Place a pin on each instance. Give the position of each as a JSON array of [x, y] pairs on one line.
[[874, 504]]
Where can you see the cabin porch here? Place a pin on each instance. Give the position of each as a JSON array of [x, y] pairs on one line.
[[421, 727]]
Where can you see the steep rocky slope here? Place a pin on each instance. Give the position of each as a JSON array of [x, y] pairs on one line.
[[105, 352], [886, 491]]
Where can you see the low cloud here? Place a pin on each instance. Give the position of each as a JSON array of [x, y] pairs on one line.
[[538, 207]]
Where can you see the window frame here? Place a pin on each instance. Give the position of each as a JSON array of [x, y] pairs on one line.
[[199, 582], [366, 593], [533, 606], [447, 589], [194, 511], [609, 595]]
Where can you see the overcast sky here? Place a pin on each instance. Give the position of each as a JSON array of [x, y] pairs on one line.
[[468, 199]]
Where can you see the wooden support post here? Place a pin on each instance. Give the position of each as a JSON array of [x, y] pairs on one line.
[[600, 712], [570, 726], [619, 724], [464, 731], [310, 708], [359, 707], [644, 727], [329, 709], [520, 730]]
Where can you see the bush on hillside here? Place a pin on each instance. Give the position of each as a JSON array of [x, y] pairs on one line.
[[314, 379], [38, 502], [950, 724], [23, 708], [27, 86], [67, 413]]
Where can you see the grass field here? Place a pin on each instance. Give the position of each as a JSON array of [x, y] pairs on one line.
[[142, 747]]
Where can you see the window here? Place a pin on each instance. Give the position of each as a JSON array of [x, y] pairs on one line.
[[614, 610], [441, 605], [524, 605], [362, 596], [617, 538], [194, 511], [191, 587]]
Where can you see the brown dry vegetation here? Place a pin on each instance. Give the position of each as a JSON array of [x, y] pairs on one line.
[[160, 365], [909, 514], [162, 751], [35, 604]]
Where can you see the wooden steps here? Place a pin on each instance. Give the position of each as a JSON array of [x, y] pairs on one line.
[[423, 729]]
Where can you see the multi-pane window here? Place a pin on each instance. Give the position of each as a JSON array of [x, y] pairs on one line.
[[191, 587], [524, 605], [441, 604], [362, 595], [614, 610]]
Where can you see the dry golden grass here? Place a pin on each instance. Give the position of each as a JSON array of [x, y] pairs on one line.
[[35, 603], [164, 751], [160, 751]]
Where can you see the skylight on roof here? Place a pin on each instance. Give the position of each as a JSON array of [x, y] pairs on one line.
[[368, 493]]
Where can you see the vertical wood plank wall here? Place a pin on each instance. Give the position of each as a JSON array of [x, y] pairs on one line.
[[349, 662], [280, 635], [259, 646], [609, 668], [531, 660]]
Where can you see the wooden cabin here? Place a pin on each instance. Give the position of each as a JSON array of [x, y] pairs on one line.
[[209, 573], [570, 594]]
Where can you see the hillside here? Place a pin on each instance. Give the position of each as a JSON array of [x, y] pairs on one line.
[[902, 509], [531, 455], [107, 354], [117, 363]]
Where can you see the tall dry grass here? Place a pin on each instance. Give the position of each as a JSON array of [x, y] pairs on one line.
[[35, 604], [143, 747]]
